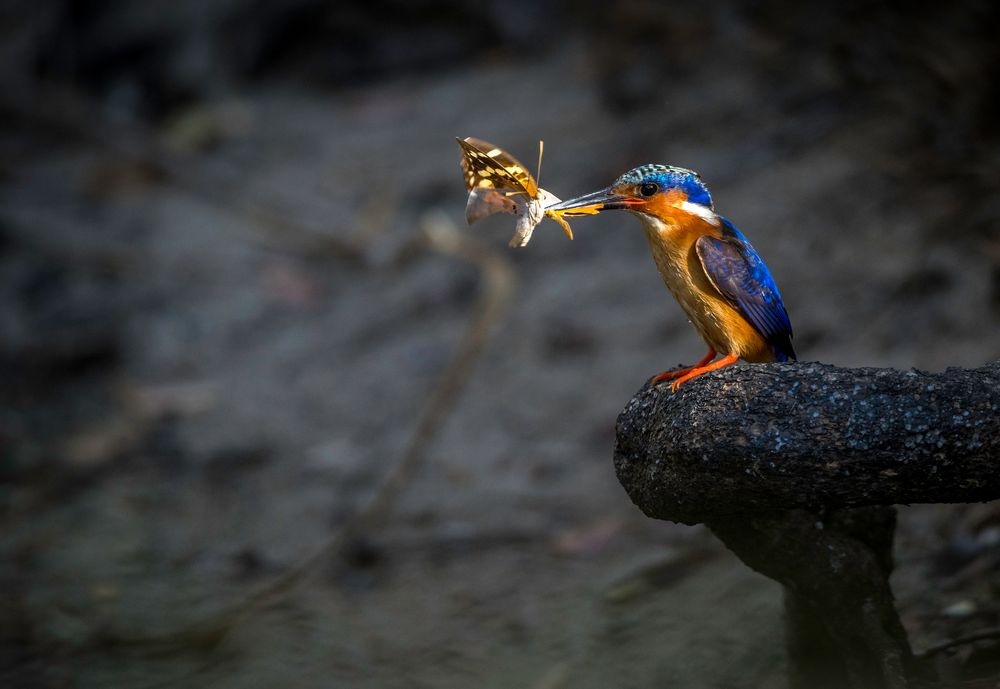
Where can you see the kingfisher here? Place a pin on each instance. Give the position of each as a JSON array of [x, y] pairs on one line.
[[710, 267]]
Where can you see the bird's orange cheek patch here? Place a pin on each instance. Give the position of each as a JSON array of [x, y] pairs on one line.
[[665, 205]]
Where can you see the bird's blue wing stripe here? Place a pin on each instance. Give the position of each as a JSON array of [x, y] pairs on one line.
[[739, 273]]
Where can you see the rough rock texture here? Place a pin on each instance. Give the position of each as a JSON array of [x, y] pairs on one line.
[[811, 436], [795, 469]]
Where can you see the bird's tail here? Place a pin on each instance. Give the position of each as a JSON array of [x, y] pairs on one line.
[[781, 355]]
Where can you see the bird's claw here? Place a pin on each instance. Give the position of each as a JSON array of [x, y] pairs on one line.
[[677, 377]]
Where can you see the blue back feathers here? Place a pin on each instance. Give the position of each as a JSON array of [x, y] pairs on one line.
[[669, 177], [739, 273]]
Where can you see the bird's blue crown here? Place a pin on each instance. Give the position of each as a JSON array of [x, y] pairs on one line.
[[669, 177]]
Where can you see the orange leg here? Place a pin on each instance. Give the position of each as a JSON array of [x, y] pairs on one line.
[[698, 370], [667, 375]]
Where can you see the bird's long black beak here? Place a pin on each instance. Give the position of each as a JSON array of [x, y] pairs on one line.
[[589, 204]]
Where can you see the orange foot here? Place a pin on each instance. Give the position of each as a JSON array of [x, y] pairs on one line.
[[677, 373], [686, 374]]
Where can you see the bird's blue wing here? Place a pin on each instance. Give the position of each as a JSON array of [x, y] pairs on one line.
[[739, 273]]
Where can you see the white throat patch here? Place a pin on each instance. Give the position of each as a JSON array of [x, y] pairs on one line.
[[658, 226], [705, 214]]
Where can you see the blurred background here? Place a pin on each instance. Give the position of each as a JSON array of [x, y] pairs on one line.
[[240, 312]]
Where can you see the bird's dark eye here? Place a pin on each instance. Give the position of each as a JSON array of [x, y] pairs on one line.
[[648, 189]]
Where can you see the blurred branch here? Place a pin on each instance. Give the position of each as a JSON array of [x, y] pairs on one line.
[[67, 113], [438, 235], [982, 635]]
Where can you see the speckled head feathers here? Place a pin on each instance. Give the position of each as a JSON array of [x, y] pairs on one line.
[[668, 177]]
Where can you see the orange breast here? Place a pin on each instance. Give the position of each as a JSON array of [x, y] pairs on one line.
[[672, 239]]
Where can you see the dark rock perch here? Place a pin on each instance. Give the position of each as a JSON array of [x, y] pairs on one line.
[[770, 457]]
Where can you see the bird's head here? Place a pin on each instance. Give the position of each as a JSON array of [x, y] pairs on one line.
[[663, 192]]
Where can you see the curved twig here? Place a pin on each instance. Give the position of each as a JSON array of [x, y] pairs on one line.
[[981, 635], [439, 235]]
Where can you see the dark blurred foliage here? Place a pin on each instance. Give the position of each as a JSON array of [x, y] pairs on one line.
[[860, 53], [928, 70], [149, 60], [934, 69]]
